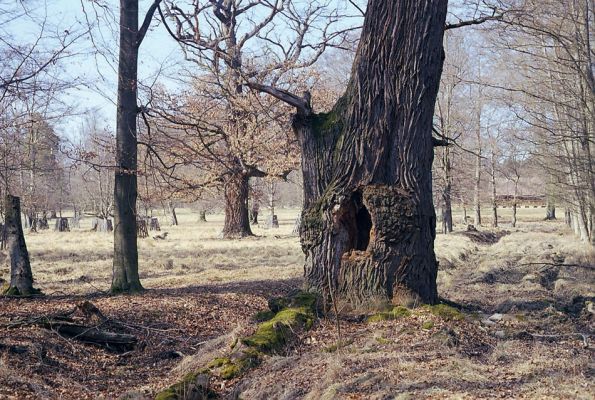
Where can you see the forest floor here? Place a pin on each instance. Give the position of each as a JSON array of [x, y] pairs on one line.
[[523, 328]]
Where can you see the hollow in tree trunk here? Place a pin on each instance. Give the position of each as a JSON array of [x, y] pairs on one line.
[[368, 225], [21, 277], [237, 223]]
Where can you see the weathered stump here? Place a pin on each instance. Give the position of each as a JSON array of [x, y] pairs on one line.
[[202, 216], [141, 228], [102, 225], [42, 223], [272, 222], [62, 225], [154, 224], [21, 277]]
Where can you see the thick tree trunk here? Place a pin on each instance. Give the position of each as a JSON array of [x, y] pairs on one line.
[[125, 268], [368, 224], [237, 222], [21, 277]]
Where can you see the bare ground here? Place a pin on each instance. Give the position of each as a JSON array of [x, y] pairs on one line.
[[537, 280]]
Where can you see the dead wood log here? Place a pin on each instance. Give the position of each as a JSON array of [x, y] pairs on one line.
[[67, 327], [112, 341], [163, 236]]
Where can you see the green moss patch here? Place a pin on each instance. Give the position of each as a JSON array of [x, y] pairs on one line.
[[192, 386], [7, 290], [445, 312], [427, 325], [292, 314], [395, 313], [272, 335], [262, 316]]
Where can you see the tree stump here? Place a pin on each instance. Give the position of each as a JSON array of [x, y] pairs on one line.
[[102, 225], [21, 277], [272, 222], [202, 216], [42, 223], [141, 228], [154, 224], [62, 225]]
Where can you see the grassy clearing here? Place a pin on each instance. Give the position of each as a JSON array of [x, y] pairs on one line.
[[80, 261]]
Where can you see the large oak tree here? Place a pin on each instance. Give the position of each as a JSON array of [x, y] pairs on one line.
[[368, 224]]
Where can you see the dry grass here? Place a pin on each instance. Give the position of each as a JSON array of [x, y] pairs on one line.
[[81, 261], [206, 290]]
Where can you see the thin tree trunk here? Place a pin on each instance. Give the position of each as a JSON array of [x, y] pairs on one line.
[[494, 197], [368, 224], [173, 217], [550, 208], [237, 222], [514, 203], [21, 277], [477, 189], [446, 192], [567, 217]]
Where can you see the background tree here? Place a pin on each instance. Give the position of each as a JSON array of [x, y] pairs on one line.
[[235, 132]]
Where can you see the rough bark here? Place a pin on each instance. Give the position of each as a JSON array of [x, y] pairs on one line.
[[125, 265], [237, 222], [21, 277], [368, 224]]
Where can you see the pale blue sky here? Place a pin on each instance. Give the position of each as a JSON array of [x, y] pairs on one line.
[[94, 68]]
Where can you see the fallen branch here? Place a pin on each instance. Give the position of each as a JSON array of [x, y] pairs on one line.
[[66, 327]]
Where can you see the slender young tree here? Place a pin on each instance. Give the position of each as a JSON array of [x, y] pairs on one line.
[[125, 268]]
